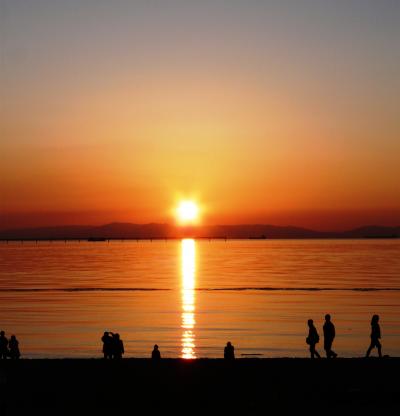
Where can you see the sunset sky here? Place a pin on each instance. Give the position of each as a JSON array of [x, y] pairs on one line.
[[278, 112]]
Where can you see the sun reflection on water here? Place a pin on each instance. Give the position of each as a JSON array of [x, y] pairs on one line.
[[188, 298]]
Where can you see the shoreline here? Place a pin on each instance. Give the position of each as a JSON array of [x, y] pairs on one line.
[[201, 359]]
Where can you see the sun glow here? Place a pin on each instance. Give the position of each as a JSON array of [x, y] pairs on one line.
[[187, 212]]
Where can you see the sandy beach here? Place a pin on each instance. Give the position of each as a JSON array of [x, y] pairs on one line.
[[246, 386]]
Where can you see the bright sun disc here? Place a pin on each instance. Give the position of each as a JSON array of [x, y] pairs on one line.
[[187, 211]]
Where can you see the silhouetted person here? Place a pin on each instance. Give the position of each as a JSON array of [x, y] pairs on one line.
[[313, 338], [107, 345], [155, 354], [14, 348], [375, 336], [229, 351], [117, 346], [3, 346], [329, 336]]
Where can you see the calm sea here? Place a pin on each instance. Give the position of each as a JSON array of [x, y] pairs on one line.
[[191, 297]]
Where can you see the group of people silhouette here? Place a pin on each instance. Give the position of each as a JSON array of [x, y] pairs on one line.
[[312, 340], [9, 348], [330, 333], [113, 346]]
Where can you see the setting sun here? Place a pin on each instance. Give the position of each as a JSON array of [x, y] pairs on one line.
[[187, 211]]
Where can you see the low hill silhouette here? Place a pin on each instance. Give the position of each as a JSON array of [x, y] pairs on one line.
[[161, 231]]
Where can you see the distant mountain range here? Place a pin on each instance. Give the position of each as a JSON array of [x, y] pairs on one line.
[[161, 231]]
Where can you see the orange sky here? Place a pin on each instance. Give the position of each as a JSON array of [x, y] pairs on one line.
[[262, 114]]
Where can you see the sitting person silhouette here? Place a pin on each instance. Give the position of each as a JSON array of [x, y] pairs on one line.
[[117, 346], [107, 345], [375, 336], [13, 345], [229, 351], [329, 336], [155, 354], [312, 339], [3, 346]]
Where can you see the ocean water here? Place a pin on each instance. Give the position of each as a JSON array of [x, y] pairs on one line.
[[191, 297]]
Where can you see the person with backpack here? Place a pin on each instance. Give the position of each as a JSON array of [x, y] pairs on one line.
[[312, 339]]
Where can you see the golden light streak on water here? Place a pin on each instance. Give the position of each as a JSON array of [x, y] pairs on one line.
[[188, 250]]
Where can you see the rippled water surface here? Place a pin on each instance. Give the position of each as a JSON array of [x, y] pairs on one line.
[[190, 297]]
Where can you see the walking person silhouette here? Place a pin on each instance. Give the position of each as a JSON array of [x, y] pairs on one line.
[[375, 336], [329, 336], [312, 339]]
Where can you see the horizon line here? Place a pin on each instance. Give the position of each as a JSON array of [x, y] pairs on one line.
[[196, 226]]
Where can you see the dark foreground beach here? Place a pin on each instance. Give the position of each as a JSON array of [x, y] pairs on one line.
[[246, 386]]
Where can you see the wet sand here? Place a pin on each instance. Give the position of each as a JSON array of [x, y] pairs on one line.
[[246, 386]]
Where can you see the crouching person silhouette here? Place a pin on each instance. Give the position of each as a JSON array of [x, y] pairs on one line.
[[229, 351], [155, 354], [312, 339]]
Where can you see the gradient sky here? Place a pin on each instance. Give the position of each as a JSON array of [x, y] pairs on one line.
[[282, 112]]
